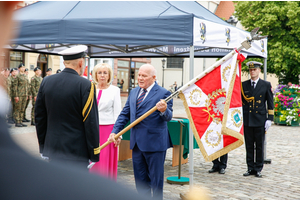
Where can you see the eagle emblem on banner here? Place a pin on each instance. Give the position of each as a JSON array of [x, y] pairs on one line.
[[214, 107]]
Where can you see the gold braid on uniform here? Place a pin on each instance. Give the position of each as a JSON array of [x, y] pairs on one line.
[[89, 103], [248, 99]]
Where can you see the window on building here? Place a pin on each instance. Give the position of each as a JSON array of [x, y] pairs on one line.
[[16, 58], [174, 62]]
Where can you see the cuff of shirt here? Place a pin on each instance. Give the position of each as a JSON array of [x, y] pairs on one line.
[[162, 113]]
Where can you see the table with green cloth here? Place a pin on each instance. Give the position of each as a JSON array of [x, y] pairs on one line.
[[174, 130]]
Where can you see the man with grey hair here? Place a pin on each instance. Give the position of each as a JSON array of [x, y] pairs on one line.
[[149, 139]]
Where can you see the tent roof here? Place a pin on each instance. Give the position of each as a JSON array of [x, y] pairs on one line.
[[121, 28], [110, 22]]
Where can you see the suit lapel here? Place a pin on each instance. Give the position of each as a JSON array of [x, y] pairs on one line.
[[149, 96], [135, 96]]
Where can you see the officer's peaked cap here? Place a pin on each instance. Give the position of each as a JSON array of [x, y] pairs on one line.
[[74, 52], [253, 64]]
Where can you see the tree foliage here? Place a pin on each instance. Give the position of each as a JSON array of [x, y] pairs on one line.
[[280, 20]]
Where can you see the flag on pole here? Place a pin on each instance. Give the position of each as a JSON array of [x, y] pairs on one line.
[[214, 107]]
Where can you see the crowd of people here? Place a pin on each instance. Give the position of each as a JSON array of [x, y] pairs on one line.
[[72, 123], [21, 89], [103, 117]]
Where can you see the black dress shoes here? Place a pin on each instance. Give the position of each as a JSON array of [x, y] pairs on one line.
[[25, 120], [249, 172], [222, 171], [32, 123], [18, 125], [212, 170], [24, 125], [258, 175]]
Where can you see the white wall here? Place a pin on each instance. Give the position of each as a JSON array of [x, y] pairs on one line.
[[210, 5], [173, 74]]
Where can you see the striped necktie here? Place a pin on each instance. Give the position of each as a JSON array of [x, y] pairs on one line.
[[141, 98]]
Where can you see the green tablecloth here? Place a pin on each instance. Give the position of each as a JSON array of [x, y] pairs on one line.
[[174, 130]]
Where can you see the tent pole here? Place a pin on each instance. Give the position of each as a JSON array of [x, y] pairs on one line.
[[89, 62], [191, 138], [267, 161]]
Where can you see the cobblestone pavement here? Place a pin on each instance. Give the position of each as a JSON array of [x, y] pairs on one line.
[[281, 178]]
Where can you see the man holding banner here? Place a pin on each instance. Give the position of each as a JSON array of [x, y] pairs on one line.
[[256, 93], [149, 139]]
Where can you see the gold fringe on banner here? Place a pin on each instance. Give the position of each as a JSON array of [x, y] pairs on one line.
[[224, 130]]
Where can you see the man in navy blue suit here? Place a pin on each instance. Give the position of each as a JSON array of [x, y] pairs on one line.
[[149, 139]]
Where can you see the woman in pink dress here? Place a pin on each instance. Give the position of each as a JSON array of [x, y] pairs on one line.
[[109, 107]]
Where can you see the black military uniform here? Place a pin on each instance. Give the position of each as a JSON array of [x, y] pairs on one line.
[[255, 115], [66, 117]]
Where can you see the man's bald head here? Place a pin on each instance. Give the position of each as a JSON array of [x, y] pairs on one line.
[[146, 76]]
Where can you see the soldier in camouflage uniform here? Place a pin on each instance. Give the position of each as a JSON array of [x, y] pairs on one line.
[[35, 86], [7, 83], [12, 78], [29, 97], [49, 72], [21, 95]]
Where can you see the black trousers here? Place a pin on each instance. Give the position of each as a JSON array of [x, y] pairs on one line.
[[221, 162], [254, 142]]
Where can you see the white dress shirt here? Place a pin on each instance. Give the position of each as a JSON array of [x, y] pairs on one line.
[[254, 82], [109, 106], [148, 90]]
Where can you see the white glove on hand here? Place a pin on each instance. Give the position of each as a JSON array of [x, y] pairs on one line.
[[44, 157], [267, 125], [91, 165]]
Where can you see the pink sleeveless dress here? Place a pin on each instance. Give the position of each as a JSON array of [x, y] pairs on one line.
[[108, 162]]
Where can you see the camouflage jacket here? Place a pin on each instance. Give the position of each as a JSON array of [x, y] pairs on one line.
[[20, 87], [8, 86], [35, 85], [12, 84], [28, 86]]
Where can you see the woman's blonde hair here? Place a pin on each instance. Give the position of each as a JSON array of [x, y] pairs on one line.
[[102, 65]]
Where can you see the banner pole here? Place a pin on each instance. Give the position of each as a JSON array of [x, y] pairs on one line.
[[191, 135]]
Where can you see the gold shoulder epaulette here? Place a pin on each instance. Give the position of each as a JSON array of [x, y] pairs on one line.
[[89, 103]]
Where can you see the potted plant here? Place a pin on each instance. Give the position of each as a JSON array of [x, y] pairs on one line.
[[286, 105]]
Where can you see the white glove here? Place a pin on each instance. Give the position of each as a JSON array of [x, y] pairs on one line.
[[267, 125], [44, 157], [91, 165]]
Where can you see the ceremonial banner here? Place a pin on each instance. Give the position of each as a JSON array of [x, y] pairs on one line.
[[214, 107]]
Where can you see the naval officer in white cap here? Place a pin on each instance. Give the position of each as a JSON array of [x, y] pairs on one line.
[[66, 114], [257, 117]]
